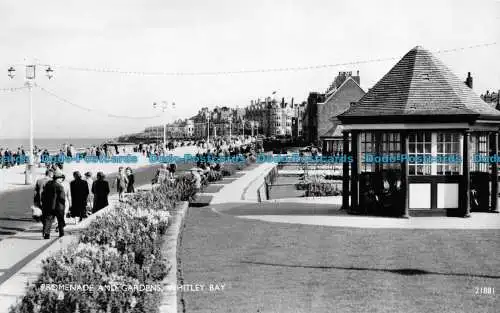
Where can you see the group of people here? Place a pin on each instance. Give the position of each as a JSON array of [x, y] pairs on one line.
[[9, 158], [59, 199]]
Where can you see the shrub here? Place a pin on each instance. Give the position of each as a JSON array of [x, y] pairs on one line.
[[228, 169], [120, 248], [317, 189], [214, 176]]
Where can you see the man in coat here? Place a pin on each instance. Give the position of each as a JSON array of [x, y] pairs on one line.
[[53, 204], [40, 184], [79, 194]]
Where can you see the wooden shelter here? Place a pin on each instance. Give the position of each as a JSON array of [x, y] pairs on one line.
[[423, 114]]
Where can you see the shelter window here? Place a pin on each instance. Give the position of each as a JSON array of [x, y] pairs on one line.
[[390, 146], [420, 147], [434, 153], [367, 147], [479, 146]]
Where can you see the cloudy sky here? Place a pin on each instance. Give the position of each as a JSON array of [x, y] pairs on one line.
[[218, 35]]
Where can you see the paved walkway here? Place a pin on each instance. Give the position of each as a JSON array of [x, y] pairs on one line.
[[13, 178], [27, 249], [327, 214]]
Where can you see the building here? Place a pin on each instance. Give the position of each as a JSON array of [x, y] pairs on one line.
[[424, 113], [320, 119], [180, 129], [276, 118], [492, 99], [344, 91]]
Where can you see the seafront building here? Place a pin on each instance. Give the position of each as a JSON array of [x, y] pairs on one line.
[[320, 124], [420, 109]]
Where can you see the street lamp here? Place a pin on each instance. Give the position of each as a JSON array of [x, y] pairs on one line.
[[208, 129], [164, 106], [29, 82]]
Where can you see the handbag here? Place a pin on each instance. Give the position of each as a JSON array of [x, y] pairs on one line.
[[36, 212]]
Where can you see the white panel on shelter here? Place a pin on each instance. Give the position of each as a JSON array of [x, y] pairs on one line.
[[420, 196], [447, 196]]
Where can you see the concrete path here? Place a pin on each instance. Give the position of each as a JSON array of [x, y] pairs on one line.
[[13, 178], [27, 249], [325, 214]]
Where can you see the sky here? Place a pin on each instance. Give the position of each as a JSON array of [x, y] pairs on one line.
[[216, 35]]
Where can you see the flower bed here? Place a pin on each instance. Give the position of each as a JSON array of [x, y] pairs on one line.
[[318, 187], [117, 265]]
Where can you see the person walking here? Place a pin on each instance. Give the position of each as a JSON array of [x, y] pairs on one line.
[[53, 204], [121, 183], [39, 186], [100, 189], [90, 198], [162, 174], [172, 169], [79, 194], [131, 180]]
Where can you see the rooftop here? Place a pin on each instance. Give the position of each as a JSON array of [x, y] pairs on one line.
[[420, 85]]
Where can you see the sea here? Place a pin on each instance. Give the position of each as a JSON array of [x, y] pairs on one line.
[[51, 144]]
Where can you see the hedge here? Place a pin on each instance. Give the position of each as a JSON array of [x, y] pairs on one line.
[[119, 251]]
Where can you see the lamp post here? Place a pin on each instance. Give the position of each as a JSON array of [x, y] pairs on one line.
[[29, 82], [164, 107], [208, 129]]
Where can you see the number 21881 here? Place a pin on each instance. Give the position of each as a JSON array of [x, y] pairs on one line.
[[484, 290]]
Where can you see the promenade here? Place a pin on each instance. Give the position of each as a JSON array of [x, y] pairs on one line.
[[13, 178], [27, 249]]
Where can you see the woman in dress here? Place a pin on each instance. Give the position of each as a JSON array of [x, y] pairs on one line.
[[90, 198], [100, 189]]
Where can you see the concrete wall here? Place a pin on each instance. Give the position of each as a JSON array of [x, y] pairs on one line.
[[257, 185]]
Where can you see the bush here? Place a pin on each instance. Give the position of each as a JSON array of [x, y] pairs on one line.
[[317, 189], [120, 248], [214, 176], [228, 170]]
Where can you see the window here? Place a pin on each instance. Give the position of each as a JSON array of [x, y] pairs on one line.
[[420, 146], [448, 144], [367, 146], [429, 147], [391, 146], [479, 147]]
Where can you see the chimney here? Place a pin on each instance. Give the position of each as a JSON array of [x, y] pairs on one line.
[[468, 81]]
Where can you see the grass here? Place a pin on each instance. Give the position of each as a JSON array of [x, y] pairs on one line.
[[275, 267]]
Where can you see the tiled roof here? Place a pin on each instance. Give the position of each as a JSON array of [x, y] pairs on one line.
[[420, 85], [335, 131]]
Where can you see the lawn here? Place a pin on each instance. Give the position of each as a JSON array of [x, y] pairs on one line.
[[276, 267]]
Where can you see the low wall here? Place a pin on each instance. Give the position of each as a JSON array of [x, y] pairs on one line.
[[168, 303], [256, 190]]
